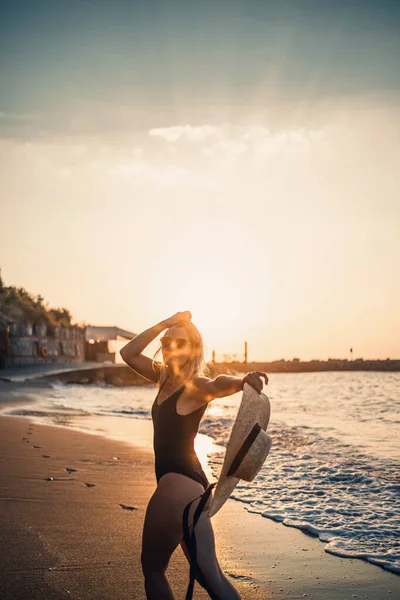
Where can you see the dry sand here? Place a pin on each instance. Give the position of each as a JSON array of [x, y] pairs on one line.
[[65, 539]]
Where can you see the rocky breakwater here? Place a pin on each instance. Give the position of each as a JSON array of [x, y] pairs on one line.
[[118, 375]]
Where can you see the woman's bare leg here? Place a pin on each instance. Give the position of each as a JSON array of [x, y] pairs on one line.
[[162, 533], [210, 575]]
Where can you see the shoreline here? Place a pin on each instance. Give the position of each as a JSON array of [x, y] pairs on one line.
[[121, 375], [261, 557]]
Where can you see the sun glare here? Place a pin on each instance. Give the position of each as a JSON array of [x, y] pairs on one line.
[[212, 269], [204, 446]]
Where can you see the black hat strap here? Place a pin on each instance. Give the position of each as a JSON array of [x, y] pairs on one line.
[[190, 539], [245, 447]]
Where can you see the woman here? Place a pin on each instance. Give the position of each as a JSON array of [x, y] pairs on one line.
[[183, 395]]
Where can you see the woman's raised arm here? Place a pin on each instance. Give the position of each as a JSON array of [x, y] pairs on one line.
[[131, 353], [142, 340]]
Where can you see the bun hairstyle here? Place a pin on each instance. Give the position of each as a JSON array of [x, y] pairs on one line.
[[195, 365]]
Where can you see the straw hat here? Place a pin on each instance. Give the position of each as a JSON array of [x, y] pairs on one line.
[[247, 448]]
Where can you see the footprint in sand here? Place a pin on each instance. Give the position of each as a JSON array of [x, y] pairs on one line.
[[90, 484], [37, 446], [128, 507], [71, 470], [45, 456], [61, 479]]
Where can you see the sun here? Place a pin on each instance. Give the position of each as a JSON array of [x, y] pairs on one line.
[[212, 270]]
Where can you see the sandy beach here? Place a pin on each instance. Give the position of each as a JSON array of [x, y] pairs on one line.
[[71, 518]]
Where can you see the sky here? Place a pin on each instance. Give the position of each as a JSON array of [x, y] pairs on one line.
[[238, 159]]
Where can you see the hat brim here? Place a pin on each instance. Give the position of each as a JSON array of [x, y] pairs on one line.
[[253, 408]]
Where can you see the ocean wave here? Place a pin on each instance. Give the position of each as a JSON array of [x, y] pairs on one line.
[[346, 498]]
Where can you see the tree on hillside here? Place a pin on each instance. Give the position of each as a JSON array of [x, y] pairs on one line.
[[21, 306], [62, 316]]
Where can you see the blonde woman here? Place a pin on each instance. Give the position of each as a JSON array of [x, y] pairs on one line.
[[183, 395]]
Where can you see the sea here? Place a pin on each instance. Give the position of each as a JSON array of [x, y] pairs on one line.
[[333, 468]]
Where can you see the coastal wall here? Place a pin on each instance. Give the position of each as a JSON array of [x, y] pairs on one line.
[[118, 375], [121, 375], [298, 366], [27, 345]]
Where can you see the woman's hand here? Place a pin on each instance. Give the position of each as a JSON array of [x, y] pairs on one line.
[[178, 317], [254, 379]]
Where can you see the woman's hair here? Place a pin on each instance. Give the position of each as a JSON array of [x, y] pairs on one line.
[[196, 365]]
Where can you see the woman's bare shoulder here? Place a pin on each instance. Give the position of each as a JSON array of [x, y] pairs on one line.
[[204, 386]]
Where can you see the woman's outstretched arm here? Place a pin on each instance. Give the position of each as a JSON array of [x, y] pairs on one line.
[[226, 385]]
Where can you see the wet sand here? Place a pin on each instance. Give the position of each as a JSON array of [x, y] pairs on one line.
[[78, 535]]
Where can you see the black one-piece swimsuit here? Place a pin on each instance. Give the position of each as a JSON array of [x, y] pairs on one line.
[[173, 439]]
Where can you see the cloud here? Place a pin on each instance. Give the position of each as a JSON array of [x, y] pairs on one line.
[[287, 142], [193, 133], [163, 174], [7, 116], [226, 147], [235, 140], [339, 151]]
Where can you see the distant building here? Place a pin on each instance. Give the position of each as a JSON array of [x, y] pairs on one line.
[[102, 342], [27, 344]]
